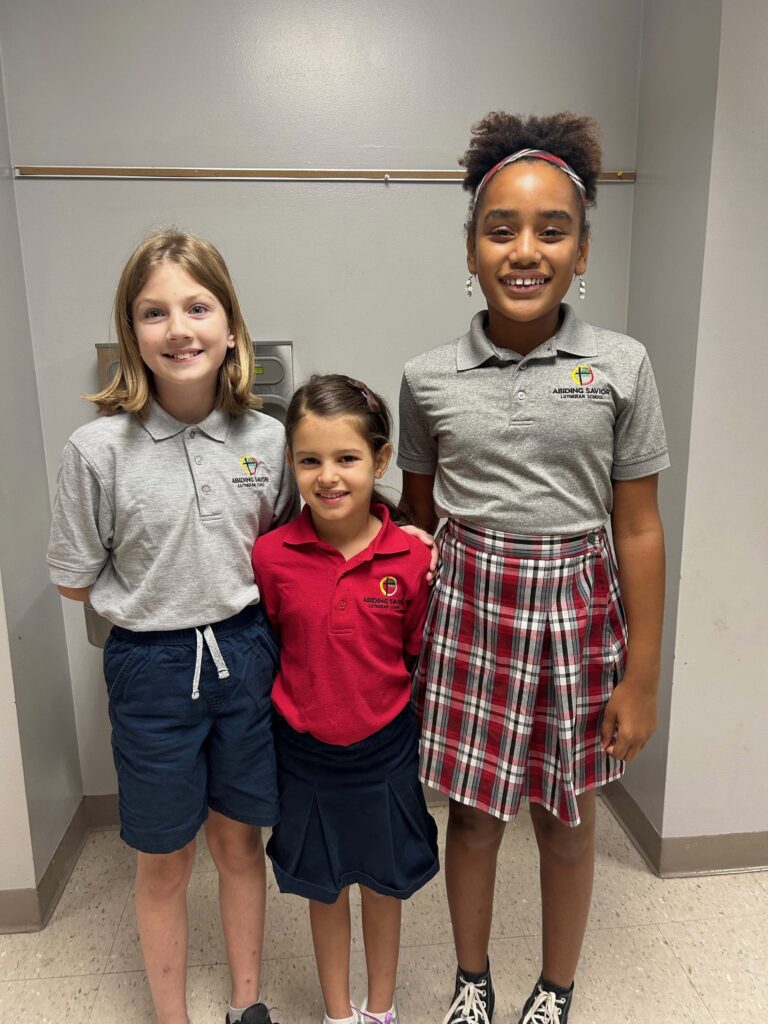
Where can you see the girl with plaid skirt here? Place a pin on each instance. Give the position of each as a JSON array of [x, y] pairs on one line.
[[527, 434]]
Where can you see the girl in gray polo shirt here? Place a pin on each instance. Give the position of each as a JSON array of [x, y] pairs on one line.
[[527, 434], [158, 504]]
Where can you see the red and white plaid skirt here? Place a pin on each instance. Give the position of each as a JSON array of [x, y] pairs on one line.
[[524, 642]]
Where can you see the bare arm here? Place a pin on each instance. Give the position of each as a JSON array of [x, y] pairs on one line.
[[75, 593], [417, 498], [630, 714]]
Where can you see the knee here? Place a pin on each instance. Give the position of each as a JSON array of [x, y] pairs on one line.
[[164, 875], [473, 829], [559, 842], [236, 851]]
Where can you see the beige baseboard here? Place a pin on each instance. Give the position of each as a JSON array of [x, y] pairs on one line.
[[28, 910], [688, 855]]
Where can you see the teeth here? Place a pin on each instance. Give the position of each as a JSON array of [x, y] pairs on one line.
[[526, 281], [184, 355]]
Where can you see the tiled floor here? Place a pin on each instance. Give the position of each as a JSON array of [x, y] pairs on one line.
[[657, 952]]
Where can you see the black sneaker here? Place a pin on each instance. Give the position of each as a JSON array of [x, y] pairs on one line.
[[472, 1000], [256, 1014], [547, 1005]]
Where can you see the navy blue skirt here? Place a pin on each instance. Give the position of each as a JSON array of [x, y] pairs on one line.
[[352, 814]]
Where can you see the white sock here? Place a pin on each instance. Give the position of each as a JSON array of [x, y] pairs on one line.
[[339, 1020], [236, 1013]]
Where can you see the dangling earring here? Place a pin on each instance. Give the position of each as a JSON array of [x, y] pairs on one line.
[[582, 288], [468, 287]]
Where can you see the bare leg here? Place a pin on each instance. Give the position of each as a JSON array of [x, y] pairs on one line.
[[331, 937], [472, 846], [566, 865], [238, 854], [381, 934], [161, 910]]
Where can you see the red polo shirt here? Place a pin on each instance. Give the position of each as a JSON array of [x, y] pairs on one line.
[[344, 626]]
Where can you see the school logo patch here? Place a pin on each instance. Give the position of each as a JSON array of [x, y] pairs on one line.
[[388, 586], [256, 473], [583, 375]]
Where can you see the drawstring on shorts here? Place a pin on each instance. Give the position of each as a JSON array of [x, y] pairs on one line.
[[213, 649]]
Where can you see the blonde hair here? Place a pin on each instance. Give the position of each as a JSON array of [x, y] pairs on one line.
[[131, 388]]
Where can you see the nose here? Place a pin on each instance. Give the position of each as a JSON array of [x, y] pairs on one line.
[[178, 326], [328, 474], [526, 249]]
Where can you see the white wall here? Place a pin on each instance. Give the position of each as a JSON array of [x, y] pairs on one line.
[[33, 654], [360, 276], [718, 755], [676, 113]]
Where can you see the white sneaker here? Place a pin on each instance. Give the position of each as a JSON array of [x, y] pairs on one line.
[[391, 1016]]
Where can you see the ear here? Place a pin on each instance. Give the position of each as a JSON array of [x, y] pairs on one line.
[[381, 460], [471, 257], [581, 257]]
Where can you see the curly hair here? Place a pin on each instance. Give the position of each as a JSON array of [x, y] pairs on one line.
[[572, 137]]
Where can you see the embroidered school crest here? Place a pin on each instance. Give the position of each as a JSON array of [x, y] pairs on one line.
[[388, 586], [583, 375], [250, 464]]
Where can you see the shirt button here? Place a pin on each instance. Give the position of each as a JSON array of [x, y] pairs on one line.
[[193, 433], [206, 489], [198, 460], [521, 395], [522, 366], [342, 605]]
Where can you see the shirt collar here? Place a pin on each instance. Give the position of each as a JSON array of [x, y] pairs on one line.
[[160, 425], [390, 540], [574, 337]]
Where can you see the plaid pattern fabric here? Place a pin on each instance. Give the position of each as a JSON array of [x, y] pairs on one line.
[[525, 640]]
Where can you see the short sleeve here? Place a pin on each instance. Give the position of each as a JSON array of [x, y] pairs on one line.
[[416, 612], [417, 450], [83, 524], [639, 441]]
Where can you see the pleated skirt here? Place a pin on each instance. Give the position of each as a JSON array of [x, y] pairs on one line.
[[353, 814], [525, 641]]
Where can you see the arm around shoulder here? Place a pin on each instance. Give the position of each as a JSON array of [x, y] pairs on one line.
[[418, 500]]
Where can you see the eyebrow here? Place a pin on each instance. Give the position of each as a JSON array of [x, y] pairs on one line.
[[195, 297], [341, 451], [543, 214]]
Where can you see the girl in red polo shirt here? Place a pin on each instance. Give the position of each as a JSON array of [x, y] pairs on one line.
[[347, 592]]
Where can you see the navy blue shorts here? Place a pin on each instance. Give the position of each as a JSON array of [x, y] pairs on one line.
[[352, 814], [177, 754]]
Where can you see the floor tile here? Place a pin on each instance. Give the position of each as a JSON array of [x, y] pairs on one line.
[[49, 1000], [727, 962], [105, 855], [78, 937], [632, 976]]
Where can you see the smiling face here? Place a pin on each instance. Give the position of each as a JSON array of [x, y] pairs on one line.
[[526, 249], [183, 336], [335, 469]]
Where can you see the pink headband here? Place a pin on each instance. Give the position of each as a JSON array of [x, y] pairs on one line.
[[538, 154]]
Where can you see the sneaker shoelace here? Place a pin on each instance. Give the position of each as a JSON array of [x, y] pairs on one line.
[[469, 1005], [546, 1009]]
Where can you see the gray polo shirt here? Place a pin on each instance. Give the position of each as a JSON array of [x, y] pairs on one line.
[[529, 445], [160, 516]]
